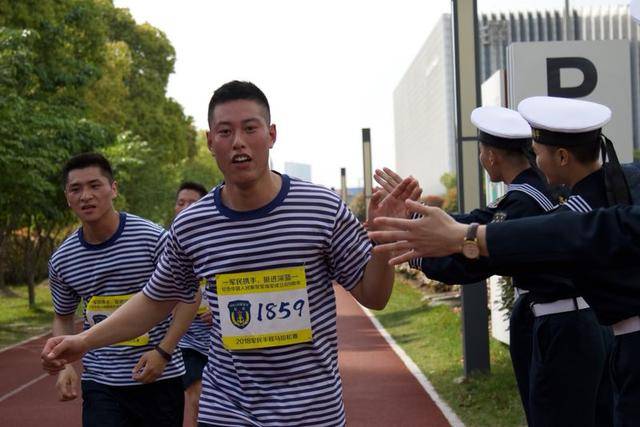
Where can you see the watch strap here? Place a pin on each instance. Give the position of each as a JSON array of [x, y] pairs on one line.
[[166, 356], [472, 232]]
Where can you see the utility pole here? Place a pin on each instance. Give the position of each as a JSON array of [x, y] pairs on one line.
[[475, 315], [366, 166], [343, 184]]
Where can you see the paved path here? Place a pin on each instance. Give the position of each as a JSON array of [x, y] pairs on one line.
[[378, 388]]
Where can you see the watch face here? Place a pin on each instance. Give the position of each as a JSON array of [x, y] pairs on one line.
[[470, 250]]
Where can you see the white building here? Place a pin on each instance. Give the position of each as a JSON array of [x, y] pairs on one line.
[[298, 170], [424, 97], [423, 112]]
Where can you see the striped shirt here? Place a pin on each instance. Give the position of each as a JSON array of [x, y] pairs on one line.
[[80, 271], [197, 336], [305, 225]]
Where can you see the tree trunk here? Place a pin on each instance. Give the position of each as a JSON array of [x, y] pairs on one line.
[[32, 291], [4, 232], [29, 267]]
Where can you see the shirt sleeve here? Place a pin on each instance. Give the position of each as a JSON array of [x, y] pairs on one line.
[[64, 297], [160, 245], [481, 216], [567, 240], [350, 249], [455, 269], [173, 278]]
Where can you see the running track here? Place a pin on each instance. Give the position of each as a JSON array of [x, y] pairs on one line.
[[378, 389]]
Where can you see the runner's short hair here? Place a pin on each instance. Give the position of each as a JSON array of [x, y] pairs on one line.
[[190, 185], [86, 160], [236, 90]]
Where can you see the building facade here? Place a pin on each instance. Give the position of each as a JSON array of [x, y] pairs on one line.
[[424, 99]]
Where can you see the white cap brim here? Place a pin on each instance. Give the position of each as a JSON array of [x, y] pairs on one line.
[[565, 115], [501, 122]]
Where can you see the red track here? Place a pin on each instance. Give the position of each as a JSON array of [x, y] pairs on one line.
[[378, 388]]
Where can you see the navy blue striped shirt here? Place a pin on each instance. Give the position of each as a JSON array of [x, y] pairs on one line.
[[80, 271], [305, 225], [197, 336]]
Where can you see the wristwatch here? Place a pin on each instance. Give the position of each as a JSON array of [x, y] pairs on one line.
[[470, 248], [166, 356]]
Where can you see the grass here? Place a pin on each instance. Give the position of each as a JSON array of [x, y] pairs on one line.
[[17, 321], [431, 336]]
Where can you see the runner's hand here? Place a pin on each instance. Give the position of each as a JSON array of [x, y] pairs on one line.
[[67, 384], [392, 204], [150, 366], [391, 181], [436, 234], [60, 350]]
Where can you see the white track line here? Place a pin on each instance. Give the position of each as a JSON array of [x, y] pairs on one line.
[[27, 341], [416, 372], [22, 387]]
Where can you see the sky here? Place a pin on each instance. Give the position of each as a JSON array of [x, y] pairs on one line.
[[328, 68]]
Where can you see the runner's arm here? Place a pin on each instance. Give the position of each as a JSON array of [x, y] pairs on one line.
[[183, 316], [152, 363], [136, 317], [62, 324], [374, 289], [68, 382]]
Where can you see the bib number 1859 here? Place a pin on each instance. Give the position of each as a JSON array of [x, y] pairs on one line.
[[271, 310]]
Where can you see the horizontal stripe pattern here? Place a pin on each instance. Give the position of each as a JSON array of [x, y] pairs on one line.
[[79, 271], [197, 336], [309, 226]]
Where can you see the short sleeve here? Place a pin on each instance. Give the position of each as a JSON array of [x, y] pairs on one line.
[[64, 297], [159, 247], [173, 278], [350, 249]]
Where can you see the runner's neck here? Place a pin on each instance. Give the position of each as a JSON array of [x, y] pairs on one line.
[[255, 196], [101, 230]]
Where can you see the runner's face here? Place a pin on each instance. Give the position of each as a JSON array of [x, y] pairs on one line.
[[90, 194], [240, 140], [185, 199]]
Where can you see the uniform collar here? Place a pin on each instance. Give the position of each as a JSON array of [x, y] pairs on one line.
[[592, 189]]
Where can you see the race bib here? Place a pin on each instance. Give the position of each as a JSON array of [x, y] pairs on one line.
[[204, 302], [100, 307], [268, 308]]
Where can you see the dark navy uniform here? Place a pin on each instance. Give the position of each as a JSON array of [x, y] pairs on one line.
[[586, 195], [553, 386], [576, 127], [525, 197], [604, 264], [613, 289], [609, 241]]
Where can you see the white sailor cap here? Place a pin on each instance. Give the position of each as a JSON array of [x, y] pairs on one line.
[[501, 127], [564, 121], [635, 10]]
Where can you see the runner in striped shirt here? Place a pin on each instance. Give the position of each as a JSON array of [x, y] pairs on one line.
[[103, 263], [269, 247], [195, 342]]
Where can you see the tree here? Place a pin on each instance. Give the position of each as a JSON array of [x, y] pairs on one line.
[[358, 207], [39, 130], [78, 76], [449, 181], [200, 165]]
